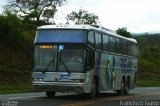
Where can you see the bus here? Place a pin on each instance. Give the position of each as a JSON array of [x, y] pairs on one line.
[[83, 59]]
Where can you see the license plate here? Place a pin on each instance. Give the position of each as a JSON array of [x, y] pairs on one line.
[[65, 77]]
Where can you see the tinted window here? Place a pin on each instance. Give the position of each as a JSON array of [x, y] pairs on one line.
[[71, 59], [98, 40], [112, 44], [118, 46], [91, 37], [45, 58], [105, 43], [134, 50], [129, 48], [124, 47], [56, 36]]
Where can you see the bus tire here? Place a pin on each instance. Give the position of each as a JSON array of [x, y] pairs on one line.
[[93, 92], [121, 92], [50, 94], [126, 90]]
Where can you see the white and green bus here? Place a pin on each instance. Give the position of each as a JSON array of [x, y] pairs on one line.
[[83, 59]]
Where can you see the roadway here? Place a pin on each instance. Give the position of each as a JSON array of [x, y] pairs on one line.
[[141, 96]]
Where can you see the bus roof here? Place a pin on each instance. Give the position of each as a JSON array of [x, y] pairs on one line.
[[87, 27]]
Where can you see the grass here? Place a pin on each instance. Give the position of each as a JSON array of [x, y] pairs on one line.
[[7, 88], [148, 83]]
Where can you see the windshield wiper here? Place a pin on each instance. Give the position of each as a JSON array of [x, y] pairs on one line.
[[47, 66], [65, 66]]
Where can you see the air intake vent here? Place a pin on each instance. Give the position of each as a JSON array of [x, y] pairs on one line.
[[97, 26], [103, 28]]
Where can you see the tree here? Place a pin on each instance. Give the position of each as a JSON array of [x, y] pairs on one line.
[[14, 30], [123, 32], [35, 9], [82, 17]]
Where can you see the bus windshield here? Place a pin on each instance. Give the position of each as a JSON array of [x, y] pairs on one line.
[[51, 58], [45, 57], [71, 59]]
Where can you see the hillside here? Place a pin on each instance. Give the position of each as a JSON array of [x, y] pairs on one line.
[[16, 47], [15, 66], [149, 60]]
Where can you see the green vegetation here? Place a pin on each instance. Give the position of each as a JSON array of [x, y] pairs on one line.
[[16, 47], [15, 88], [35, 9], [82, 17], [149, 60], [123, 32]]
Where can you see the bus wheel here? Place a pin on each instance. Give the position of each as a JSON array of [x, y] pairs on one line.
[[93, 93], [126, 90], [121, 92], [50, 94]]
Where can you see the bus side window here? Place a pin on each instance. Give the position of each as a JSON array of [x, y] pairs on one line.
[[130, 50], [98, 40], [134, 50], [112, 44], [91, 59], [124, 47], [105, 43], [127, 48], [119, 46], [91, 38]]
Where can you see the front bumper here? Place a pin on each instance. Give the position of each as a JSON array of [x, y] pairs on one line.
[[58, 86]]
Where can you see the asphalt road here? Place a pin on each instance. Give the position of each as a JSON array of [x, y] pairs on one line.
[[143, 96]]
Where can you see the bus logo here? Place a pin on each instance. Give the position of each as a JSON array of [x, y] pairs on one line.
[[65, 77]]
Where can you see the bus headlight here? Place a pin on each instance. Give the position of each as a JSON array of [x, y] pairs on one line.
[[37, 79]]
